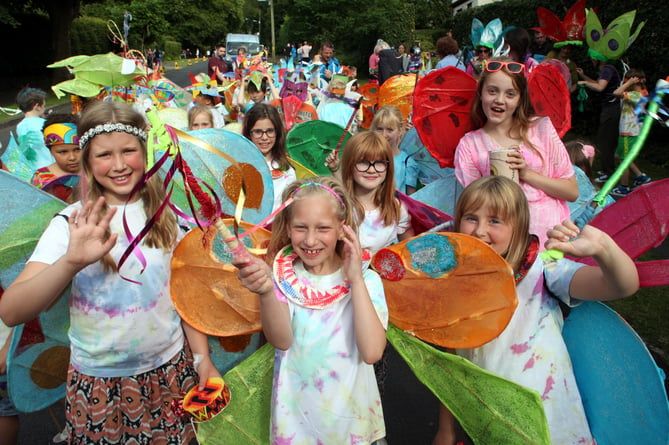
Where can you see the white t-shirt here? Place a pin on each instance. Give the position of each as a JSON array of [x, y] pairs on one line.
[[117, 328], [374, 235], [323, 391]]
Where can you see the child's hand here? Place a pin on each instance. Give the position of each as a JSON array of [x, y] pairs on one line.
[[516, 161], [206, 370], [352, 253], [567, 238], [254, 274], [332, 161], [87, 234]]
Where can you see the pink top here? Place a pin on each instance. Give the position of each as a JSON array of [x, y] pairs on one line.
[[471, 163]]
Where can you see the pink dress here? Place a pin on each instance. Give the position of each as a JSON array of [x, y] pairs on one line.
[[471, 163]]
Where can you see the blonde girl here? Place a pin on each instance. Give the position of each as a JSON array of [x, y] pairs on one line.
[[530, 351], [503, 118], [389, 122], [325, 313], [200, 117], [129, 356]]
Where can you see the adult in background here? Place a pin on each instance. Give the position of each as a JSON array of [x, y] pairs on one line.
[[331, 65], [217, 65], [448, 52], [305, 52], [541, 45], [390, 63]]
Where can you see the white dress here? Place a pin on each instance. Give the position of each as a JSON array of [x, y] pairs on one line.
[[323, 392]]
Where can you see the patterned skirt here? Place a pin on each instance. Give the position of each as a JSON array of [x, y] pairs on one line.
[[130, 410]]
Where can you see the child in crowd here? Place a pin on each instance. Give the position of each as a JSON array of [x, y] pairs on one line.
[[503, 118], [200, 117], [495, 210], [210, 98], [32, 102], [324, 311], [129, 357], [631, 91], [389, 122], [60, 136], [582, 156], [367, 172], [253, 90], [263, 126]]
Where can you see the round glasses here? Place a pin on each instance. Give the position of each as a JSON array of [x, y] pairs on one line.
[[512, 67], [257, 133], [363, 165]]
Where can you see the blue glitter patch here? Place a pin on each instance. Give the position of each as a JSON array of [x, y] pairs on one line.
[[432, 254]]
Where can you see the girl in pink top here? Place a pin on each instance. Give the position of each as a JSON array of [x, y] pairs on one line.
[[504, 118]]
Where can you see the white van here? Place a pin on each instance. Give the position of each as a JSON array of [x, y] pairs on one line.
[[234, 41]]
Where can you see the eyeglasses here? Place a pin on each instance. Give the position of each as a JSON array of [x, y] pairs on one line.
[[512, 67], [363, 165], [257, 133], [483, 50]]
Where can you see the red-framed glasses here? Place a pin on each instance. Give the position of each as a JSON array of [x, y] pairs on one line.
[[512, 67]]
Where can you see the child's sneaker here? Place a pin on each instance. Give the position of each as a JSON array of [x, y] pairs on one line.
[[602, 179], [620, 191], [641, 180]]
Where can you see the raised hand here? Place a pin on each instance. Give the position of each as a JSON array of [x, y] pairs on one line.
[[352, 253], [88, 234], [567, 238]]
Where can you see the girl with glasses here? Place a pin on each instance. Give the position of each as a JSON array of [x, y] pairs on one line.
[[367, 172], [503, 118], [263, 126]]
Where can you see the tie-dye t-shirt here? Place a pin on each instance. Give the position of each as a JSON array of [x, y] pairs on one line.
[[374, 235], [117, 328], [531, 351], [324, 393]]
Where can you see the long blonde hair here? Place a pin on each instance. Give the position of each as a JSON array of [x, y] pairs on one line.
[[371, 146], [301, 189], [505, 199], [163, 234]]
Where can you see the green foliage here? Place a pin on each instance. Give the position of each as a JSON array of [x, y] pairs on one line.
[[89, 36], [172, 49]]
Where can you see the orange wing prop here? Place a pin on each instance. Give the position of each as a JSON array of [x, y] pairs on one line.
[[467, 292], [205, 289]]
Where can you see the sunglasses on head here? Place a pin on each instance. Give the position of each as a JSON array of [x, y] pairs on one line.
[[512, 67]]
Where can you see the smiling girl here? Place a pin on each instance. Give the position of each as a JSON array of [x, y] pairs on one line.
[[325, 312], [129, 357], [504, 118], [530, 351]]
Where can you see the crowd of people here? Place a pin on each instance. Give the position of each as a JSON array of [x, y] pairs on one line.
[[322, 307]]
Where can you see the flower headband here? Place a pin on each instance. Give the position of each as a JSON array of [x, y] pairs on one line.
[[60, 133], [110, 128]]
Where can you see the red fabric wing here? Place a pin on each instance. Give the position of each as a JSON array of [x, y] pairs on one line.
[[442, 102], [550, 97]]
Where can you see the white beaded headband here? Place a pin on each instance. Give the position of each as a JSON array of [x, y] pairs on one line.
[[110, 128]]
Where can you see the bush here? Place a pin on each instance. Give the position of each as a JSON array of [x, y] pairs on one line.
[[172, 50], [89, 36]]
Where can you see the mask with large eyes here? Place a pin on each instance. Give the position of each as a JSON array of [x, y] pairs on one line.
[[612, 42]]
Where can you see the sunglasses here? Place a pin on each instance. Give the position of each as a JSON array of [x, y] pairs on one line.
[[483, 50], [512, 67]]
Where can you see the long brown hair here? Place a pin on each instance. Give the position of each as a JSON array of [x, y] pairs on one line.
[[371, 146], [506, 199], [523, 116], [266, 111], [163, 234], [310, 187]]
